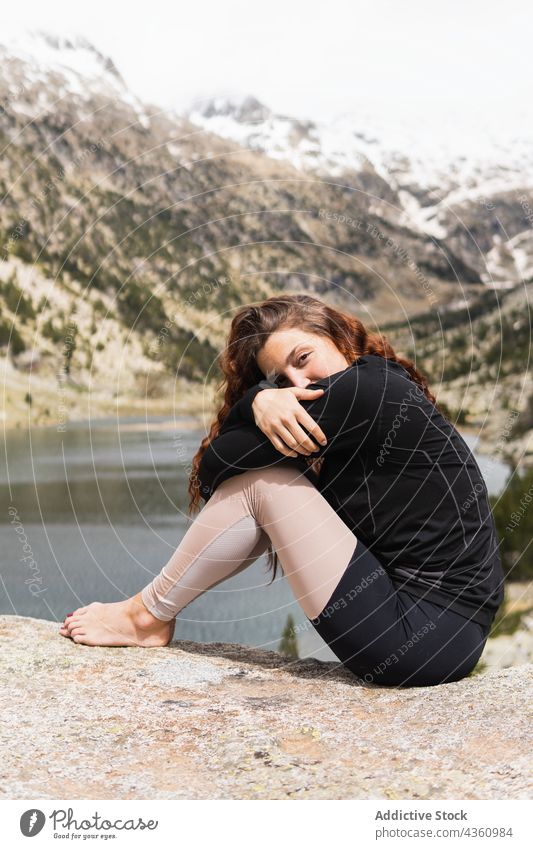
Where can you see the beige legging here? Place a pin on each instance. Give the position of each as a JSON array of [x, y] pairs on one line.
[[275, 504]]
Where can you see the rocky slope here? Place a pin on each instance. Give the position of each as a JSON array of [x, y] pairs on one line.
[[129, 235], [221, 721], [469, 189]]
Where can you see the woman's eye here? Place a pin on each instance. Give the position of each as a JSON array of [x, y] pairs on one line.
[[301, 359]]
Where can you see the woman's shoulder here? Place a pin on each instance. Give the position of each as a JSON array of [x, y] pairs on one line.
[[377, 361], [370, 370], [366, 364]]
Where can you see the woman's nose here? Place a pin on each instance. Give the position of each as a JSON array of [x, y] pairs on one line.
[[296, 378]]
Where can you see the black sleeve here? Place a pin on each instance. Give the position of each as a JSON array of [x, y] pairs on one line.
[[242, 409], [346, 412], [241, 447]]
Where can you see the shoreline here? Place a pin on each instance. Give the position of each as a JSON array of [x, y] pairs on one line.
[[197, 410], [186, 421], [163, 418]]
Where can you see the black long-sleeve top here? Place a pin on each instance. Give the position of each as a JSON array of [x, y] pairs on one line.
[[399, 475]]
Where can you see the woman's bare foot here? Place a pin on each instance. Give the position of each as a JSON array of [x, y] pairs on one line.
[[121, 623]]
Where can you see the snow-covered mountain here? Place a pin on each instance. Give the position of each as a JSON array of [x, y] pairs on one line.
[[469, 184], [56, 67], [464, 160], [435, 171]]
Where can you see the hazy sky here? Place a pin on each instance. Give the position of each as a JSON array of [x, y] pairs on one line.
[[417, 58]]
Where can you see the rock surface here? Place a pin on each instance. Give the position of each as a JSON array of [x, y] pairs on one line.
[[204, 721]]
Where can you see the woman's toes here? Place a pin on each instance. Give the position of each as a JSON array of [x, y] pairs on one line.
[[66, 632], [68, 618], [79, 612], [79, 638]]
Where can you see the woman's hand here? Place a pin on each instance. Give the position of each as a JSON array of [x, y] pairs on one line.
[[279, 415]]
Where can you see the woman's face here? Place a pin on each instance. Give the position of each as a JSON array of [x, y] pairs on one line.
[[294, 357]]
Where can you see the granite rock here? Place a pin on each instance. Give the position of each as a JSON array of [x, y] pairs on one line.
[[221, 721]]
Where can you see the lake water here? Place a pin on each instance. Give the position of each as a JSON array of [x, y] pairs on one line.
[[102, 509]]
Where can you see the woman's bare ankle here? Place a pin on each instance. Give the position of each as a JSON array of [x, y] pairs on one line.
[[141, 616]]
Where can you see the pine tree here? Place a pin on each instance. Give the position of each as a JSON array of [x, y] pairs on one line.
[[289, 643]]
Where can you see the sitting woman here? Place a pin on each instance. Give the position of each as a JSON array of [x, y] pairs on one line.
[[330, 453]]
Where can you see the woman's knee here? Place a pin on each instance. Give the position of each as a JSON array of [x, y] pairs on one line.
[[274, 489], [269, 475], [251, 488]]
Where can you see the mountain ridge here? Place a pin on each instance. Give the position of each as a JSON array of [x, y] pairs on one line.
[[124, 218]]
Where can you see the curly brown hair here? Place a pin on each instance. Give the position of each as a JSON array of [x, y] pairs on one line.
[[250, 329]]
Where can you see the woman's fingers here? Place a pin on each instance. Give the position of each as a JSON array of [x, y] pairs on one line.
[[309, 423], [300, 392], [280, 443], [297, 440], [302, 416], [282, 418], [281, 447]]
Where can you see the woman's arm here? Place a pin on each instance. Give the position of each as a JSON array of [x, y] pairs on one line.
[[236, 448], [242, 409], [330, 410], [347, 412]]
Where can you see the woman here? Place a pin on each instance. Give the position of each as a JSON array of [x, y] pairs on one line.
[[330, 453]]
